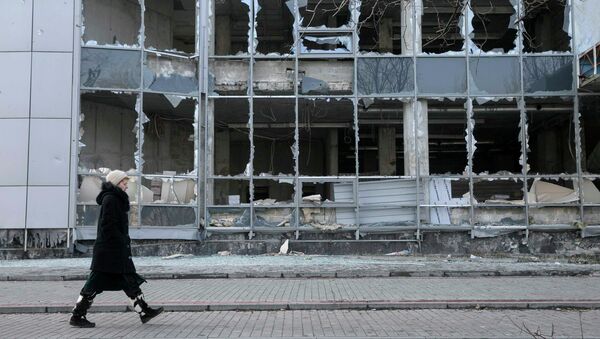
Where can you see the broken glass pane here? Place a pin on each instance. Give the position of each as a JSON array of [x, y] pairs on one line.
[[494, 75], [229, 77], [326, 131], [497, 137], [385, 76], [589, 108], [166, 73], [170, 25], [381, 144], [380, 27], [168, 216], [107, 130], [494, 27], [273, 77], [230, 192], [115, 22], [441, 26], [274, 217], [322, 76], [328, 191], [441, 76], [165, 190], [498, 192], [231, 145], [546, 25], [168, 146], [106, 68], [274, 28], [87, 215], [551, 136], [447, 126], [231, 27], [273, 192], [547, 74], [228, 217], [319, 13], [324, 43]]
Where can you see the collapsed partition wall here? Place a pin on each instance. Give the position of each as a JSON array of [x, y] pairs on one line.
[[317, 116]]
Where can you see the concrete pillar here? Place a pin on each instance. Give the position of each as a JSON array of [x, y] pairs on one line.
[[386, 34], [223, 35], [387, 150]]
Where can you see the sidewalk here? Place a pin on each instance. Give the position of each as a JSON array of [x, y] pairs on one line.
[[263, 294]]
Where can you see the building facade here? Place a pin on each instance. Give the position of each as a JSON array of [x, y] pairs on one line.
[[299, 116]]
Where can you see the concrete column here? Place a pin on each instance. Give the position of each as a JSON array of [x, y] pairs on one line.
[[387, 150], [223, 35], [386, 34]]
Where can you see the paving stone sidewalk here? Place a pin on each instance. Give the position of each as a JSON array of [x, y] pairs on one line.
[[316, 294]]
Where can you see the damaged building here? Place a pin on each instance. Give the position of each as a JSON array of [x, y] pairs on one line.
[[307, 119]]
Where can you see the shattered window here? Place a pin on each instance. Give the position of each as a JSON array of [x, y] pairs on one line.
[[231, 27], [169, 145], [447, 128], [170, 25], [326, 43], [274, 137], [543, 74], [106, 68], [327, 142], [551, 136], [547, 26], [168, 189], [168, 216], [273, 192], [108, 131], [385, 76], [231, 140], [589, 108], [274, 28], [441, 26], [497, 136], [552, 201], [322, 76], [381, 144], [170, 74], [116, 22], [229, 192], [326, 14], [441, 76], [494, 75], [494, 25], [380, 26]]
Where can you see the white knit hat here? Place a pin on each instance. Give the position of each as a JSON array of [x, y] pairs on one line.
[[116, 176]]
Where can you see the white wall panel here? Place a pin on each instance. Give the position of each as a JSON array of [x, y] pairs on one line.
[[15, 70], [53, 25], [12, 207], [49, 151], [14, 136], [15, 25], [48, 207], [51, 87]]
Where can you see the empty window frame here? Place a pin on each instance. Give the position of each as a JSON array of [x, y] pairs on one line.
[[229, 192], [447, 128], [381, 28], [328, 14], [169, 135], [497, 137], [230, 146], [546, 25], [274, 28], [545, 197], [168, 190], [168, 216], [327, 140], [441, 26], [381, 143], [274, 137], [170, 25], [116, 22], [232, 27], [108, 131], [494, 25], [170, 74], [551, 136], [325, 76], [589, 110], [270, 193]]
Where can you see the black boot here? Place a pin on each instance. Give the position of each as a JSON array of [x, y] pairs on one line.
[[79, 312], [146, 312]]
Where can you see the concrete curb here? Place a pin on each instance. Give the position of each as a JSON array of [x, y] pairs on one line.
[[327, 305], [323, 274]]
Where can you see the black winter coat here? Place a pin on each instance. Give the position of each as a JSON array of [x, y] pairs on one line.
[[112, 249]]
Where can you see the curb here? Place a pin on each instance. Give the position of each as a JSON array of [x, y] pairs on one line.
[[322, 275], [328, 306]]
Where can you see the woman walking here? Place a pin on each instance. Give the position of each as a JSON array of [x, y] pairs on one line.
[[112, 267]]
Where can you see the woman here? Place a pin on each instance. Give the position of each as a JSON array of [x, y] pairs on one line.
[[112, 267]]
